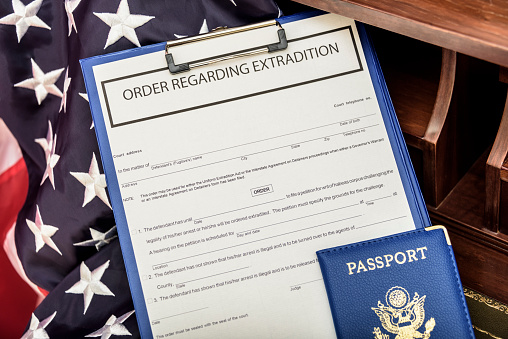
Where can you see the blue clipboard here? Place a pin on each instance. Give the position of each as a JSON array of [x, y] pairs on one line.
[[398, 146]]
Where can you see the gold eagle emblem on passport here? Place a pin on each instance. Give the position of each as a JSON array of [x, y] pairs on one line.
[[402, 316]]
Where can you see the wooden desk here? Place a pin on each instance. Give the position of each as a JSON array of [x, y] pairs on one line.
[[450, 99], [474, 27]]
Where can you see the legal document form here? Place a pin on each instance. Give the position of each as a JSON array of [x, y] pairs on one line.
[[226, 179]]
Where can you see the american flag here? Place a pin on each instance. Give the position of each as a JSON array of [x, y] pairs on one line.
[[63, 241]]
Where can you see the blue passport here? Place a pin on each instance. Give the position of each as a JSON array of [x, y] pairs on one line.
[[401, 286]]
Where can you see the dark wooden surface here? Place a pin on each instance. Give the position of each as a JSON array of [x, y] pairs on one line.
[[503, 212], [494, 168], [420, 78], [474, 27], [412, 75], [466, 202], [482, 256], [482, 266], [503, 75], [437, 94]]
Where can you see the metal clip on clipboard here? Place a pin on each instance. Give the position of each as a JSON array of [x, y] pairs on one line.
[[173, 68]]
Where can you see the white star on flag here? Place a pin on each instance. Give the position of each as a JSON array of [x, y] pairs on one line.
[[204, 28], [123, 23], [99, 239], [49, 147], [36, 330], [114, 326], [70, 6], [84, 96], [90, 283], [24, 17], [94, 182], [67, 83], [42, 233], [42, 83]]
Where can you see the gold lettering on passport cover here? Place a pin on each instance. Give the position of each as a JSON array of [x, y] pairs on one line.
[[402, 316], [386, 260]]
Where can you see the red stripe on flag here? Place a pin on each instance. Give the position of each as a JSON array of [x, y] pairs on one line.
[[13, 190], [18, 300]]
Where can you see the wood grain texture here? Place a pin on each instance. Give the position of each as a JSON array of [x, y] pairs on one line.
[[482, 266], [504, 171], [465, 204], [443, 97], [503, 77], [420, 78], [437, 94], [493, 171], [440, 170], [503, 211], [474, 27], [503, 73], [482, 255], [412, 70]]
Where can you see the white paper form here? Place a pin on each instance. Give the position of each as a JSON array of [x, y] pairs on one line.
[[232, 175]]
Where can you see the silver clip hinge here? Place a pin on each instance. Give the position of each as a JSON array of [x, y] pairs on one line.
[[222, 31]]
